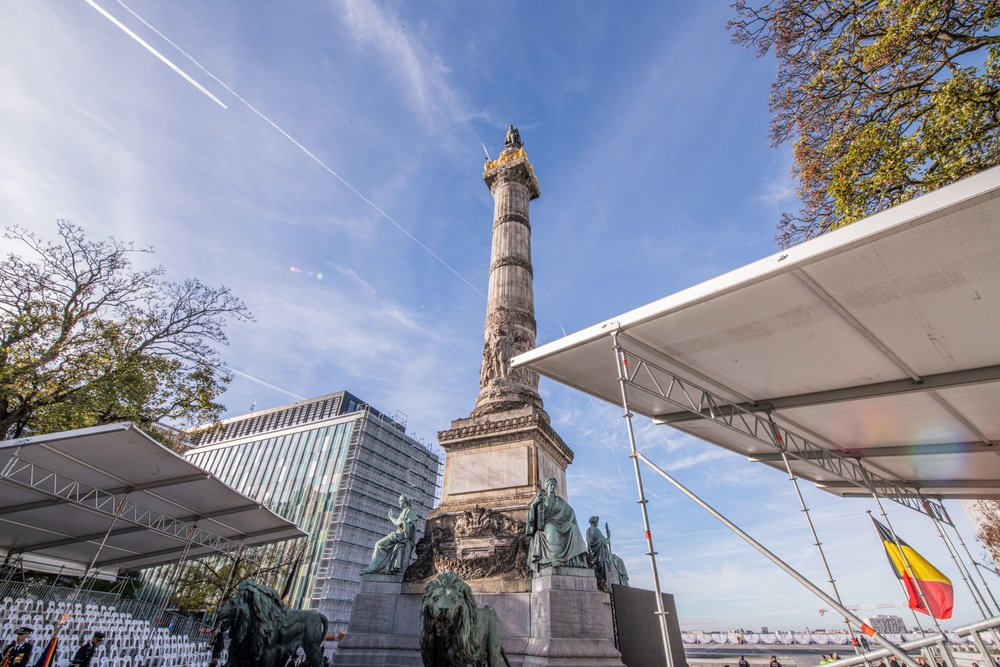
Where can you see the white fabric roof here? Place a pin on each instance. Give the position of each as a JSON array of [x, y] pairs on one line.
[[879, 342], [60, 492]]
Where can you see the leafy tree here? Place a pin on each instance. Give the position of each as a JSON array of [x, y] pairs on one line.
[[882, 99], [206, 583], [87, 339]]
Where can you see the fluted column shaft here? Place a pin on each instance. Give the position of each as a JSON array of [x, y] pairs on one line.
[[510, 308]]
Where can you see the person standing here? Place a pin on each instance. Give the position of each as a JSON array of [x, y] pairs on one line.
[[743, 662], [217, 646], [18, 651], [84, 654], [774, 661]]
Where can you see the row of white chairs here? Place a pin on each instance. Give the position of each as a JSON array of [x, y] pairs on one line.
[[126, 639]]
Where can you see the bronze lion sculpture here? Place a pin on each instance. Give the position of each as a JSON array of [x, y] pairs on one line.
[[453, 631], [263, 632]]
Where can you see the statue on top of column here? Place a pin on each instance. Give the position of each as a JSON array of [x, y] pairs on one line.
[[513, 139]]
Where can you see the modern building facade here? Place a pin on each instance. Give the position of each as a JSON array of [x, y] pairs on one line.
[[334, 466]]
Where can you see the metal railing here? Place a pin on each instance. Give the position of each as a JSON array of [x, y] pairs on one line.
[[19, 598]]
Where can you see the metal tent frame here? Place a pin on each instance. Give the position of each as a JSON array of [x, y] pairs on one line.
[[111, 497], [866, 361]]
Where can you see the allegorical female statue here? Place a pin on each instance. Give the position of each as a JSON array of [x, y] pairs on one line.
[[392, 552], [608, 566], [555, 535]]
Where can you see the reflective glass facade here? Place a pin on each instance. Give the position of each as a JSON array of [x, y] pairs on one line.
[[334, 466]]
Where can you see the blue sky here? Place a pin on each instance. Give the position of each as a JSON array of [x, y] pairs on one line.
[[647, 130]]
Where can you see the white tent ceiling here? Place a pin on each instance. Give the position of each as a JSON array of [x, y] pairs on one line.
[[59, 495], [878, 343]]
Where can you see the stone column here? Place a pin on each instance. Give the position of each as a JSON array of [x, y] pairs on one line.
[[499, 455], [510, 308]]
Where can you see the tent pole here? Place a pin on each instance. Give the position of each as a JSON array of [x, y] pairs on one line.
[[964, 571], [237, 555], [968, 555], [171, 587], [661, 614], [779, 442], [877, 636]]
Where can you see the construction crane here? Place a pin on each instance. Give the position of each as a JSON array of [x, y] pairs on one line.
[[873, 605]]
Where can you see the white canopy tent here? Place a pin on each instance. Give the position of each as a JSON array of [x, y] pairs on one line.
[[870, 356], [113, 498]]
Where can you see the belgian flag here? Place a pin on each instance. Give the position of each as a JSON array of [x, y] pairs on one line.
[[935, 586], [48, 657]]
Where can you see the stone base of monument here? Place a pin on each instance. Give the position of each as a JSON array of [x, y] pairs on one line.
[[564, 620], [383, 629], [571, 621]]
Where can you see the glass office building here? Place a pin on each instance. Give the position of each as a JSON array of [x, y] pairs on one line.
[[334, 466]]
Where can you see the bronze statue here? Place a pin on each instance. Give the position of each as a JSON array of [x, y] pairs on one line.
[[555, 535], [609, 567], [263, 632], [454, 632], [513, 139], [392, 553]]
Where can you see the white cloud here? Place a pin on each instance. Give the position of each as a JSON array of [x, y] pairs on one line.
[[416, 68]]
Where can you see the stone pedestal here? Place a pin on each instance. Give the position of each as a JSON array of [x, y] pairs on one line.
[[500, 461], [571, 621], [563, 621], [384, 628]]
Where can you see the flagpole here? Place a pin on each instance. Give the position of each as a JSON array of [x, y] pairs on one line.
[[902, 587], [916, 584], [867, 629], [993, 631]]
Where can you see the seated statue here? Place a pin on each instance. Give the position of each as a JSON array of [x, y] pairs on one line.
[[609, 567], [392, 552], [555, 535]]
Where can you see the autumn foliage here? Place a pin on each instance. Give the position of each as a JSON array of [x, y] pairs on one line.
[[883, 100]]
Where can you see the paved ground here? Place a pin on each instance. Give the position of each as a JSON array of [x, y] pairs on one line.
[[796, 655]]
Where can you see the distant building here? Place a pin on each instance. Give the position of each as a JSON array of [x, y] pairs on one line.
[[887, 624], [333, 465]]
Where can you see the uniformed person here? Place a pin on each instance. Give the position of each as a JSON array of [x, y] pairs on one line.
[[18, 652], [86, 652]]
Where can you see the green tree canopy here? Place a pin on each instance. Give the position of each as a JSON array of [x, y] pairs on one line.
[[882, 99], [88, 339], [206, 583]]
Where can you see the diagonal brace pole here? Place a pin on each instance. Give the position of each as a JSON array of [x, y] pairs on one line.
[[868, 630]]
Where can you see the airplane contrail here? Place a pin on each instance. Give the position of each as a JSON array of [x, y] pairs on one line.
[[261, 382], [155, 52], [302, 148]]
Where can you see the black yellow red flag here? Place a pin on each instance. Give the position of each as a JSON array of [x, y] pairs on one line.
[[935, 586], [48, 657]]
